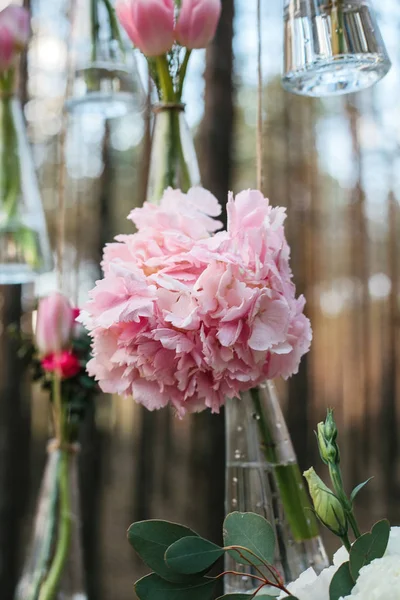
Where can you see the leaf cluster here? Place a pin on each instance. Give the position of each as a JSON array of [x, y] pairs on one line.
[[365, 549], [181, 559]]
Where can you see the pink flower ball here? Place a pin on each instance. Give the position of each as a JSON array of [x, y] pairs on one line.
[[189, 317]]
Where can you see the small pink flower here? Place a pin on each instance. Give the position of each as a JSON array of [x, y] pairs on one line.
[[55, 323], [197, 22], [14, 34], [65, 363], [149, 24]]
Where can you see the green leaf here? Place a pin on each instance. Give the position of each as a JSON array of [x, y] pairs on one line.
[[151, 539], [253, 532], [153, 587], [238, 597], [358, 489], [191, 555], [342, 582], [369, 546]]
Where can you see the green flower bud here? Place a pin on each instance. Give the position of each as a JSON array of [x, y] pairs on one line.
[[329, 451], [327, 506], [330, 429]]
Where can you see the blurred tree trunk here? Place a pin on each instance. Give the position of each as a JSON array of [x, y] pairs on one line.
[[216, 133], [14, 442], [207, 454]]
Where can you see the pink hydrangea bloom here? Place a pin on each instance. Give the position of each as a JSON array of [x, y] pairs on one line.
[[189, 317]]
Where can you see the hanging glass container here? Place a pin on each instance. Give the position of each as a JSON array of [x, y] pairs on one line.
[[173, 161], [106, 78], [263, 476], [24, 245], [56, 541], [332, 47]]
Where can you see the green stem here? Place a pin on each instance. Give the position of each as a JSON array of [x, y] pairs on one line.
[[114, 27], [294, 497], [338, 42], [346, 543], [48, 537], [166, 86], [52, 581], [10, 171], [337, 481], [94, 19], [182, 73]]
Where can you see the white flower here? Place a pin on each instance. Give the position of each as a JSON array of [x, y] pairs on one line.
[[379, 580]]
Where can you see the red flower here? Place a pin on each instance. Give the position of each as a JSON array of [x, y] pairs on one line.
[[66, 364]]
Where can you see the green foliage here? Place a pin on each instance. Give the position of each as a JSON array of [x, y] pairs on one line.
[[253, 532], [151, 539], [191, 555], [342, 582], [358, 489], [368, 547], [153, 587], [365, 549]]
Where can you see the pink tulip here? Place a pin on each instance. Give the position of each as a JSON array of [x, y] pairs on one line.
[[149, 24], [55, 323], [197, 22], [14, 34]]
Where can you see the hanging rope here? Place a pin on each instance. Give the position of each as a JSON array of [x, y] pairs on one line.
[[259, 140], [62, 171]]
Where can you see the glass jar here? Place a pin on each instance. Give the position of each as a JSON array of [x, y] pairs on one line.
[[106, 78], [263, 476], [332, 47], [56, 543], [24, 244]]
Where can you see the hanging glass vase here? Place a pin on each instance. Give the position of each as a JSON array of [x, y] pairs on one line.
[[56, 545], [24, 245], [332, 47], [263, 476], [173, 161], [106, 77]]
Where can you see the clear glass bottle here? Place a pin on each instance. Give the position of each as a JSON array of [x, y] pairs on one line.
[[48, 531], [263, 476], [106, 77], [173, 161], [332, 47], [24, 244]]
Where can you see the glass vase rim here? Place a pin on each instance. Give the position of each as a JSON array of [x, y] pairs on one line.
[[54, 445], [166, 106]]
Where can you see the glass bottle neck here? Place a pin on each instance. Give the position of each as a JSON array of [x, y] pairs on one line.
[[173, 161]]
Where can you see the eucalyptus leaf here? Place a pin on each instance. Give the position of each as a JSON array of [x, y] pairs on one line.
[[153, 587], [342, 582], [369, 546], [251, 531], [151, 539], [358, 489], [191, 555], [238, 597]]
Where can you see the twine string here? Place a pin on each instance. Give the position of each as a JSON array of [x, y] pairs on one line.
[[62, 171], [259, 137]]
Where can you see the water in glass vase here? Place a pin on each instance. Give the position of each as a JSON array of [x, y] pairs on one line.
[[332, 47], [263, 476]]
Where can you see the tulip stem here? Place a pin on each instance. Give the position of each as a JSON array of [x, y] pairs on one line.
[[166, 87], [182, 73]]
